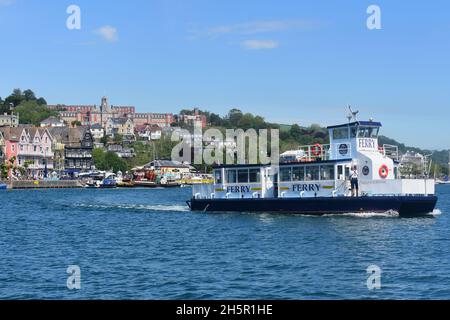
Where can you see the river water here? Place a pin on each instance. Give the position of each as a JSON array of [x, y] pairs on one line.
[[146, 244]]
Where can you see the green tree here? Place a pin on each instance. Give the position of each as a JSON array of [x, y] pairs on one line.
[[32, 113], [215, 120], [41, 101], [4, 170], [234, 116], [76, 123], [118, 138], [246, 121], [98, 155], [104, 140], [296, 132], [115, 163], [108, 161], [29, 95], [15, 98]]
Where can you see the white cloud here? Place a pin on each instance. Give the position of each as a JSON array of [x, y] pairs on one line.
[[259, 44], [108, 33]]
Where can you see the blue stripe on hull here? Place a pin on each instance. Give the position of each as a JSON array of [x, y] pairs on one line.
[[404, 205]]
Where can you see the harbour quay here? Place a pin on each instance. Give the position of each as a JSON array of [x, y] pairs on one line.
[[37, 184]]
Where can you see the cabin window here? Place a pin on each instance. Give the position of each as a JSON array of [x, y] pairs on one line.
[[231, 176], [243, 176], [368, 132], [353, 132], [327, 172], [298, 173], [285, 174], [340, 171], [340, 133], [255, 175], [312, 173], [218, 176]]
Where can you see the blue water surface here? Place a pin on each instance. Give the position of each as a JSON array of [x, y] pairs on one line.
[[145, 244]]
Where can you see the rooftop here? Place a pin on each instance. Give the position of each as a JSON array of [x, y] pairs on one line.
[[357, 123]]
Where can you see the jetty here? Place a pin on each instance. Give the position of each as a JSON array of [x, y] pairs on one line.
[[37, 184]]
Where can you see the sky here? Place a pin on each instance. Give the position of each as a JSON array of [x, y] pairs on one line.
[[291, 61]]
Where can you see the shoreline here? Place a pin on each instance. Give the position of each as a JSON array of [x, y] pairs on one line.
[[38, 184]]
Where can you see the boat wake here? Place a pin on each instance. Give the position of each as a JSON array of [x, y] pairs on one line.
[[436, 212], [134, 207], [387, 214]]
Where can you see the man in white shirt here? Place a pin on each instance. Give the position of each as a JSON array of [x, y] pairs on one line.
[[354, 182]]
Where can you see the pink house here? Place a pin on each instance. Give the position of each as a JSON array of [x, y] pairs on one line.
[[10, 138], [35, 151], [31, 148]]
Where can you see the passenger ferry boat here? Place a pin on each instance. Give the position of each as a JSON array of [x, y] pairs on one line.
[[314, 180]]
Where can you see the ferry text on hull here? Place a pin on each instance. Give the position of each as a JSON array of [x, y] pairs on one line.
[[315, 180]]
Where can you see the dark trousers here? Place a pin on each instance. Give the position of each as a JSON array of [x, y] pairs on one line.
[[354, 185]]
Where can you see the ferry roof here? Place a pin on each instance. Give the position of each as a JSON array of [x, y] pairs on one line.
[[237, 166], [358, 123]]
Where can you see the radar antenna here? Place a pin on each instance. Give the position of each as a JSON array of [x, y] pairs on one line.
[[352, 114]]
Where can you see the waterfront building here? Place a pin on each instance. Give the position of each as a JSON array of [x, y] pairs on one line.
[[78, 151], [121, 126], [52, 122], [170, 167], [2, 148], [9, 120], [161, 120], [413, 165], [148, 132], [35, 151], [10, 138], [121, 151], [92, 114], [30, 148], [97, 131], [196, 119]]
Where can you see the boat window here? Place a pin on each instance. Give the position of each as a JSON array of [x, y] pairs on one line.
[[255, 175], [340, 133], [298, 173], [312, 173], [218, 176], [340, 171], [231, 176], [327, 172], [243, 176], [285, 174], [353, 132], [368, 132]]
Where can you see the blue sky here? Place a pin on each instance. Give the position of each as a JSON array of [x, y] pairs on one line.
[[289, 61]]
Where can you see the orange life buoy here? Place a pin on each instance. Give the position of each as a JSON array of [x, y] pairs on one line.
[[384, 171], [316, 150]]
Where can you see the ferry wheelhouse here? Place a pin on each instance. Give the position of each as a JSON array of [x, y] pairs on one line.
[[315, 180]]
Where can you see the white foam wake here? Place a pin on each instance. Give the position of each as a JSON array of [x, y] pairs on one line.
[[436, 212], [158, 207], [387, 214]]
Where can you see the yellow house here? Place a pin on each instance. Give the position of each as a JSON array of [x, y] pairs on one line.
[[122, 126]]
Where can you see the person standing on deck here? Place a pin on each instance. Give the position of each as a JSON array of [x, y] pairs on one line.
[[354, 182]]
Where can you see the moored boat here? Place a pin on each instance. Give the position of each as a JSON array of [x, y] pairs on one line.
[[315, 180]]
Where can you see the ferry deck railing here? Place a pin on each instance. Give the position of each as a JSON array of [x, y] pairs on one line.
[[308, 153], [390, 151]]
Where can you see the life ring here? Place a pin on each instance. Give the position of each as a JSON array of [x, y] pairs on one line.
[[316, 150], [384, 171]]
